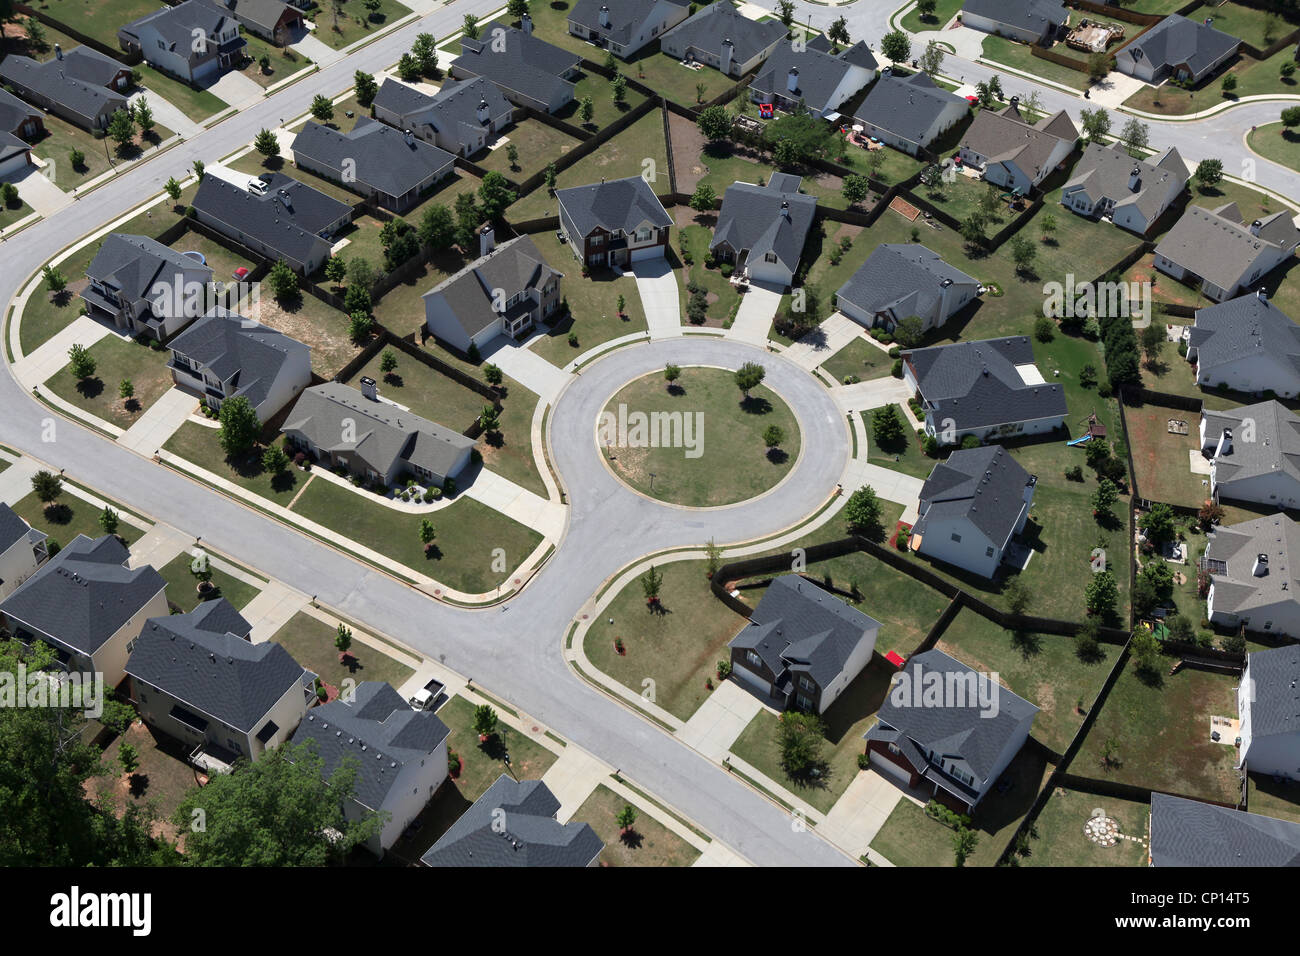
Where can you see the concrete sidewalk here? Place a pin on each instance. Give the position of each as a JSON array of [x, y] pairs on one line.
[[527, 368], [159, 421], [754, 318], [159, 547], [317, 51], [37, 367], [274, 605], [824, 341], [657, 286], [529, 509], [714, 727]]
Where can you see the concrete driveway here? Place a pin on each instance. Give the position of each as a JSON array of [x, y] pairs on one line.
[[39, 191], [754, 317], [236, 89], [527, 368], [824, 341], [657, 286], [316, 50], [168, 113], [159, 421]]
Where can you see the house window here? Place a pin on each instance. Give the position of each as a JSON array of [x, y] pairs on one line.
[[804, 702], [130, 645], [642, 235], [893, 749], [597, 240], [1268, 625], [806, 684], [988, 552], [753, 658], [956, 537], [769, 257]]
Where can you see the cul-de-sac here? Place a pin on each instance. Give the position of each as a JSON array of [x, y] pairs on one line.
[[650, 433]]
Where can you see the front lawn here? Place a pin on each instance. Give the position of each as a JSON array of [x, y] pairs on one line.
[[310, 642], [694, 234], [116, 360], [56, 146], [356, 22], [182, 586], [860, 359], [1254, 78], [15, 212], [944, 11], [906, 456], [68, 517], [283, 62], [1277, 143], [198, 105], [199, 445], [483, 763], [1017, 56], [647, 843], [1058, 838]]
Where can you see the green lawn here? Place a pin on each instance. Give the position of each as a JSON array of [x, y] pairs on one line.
[[730, 463], [311, 643], [604, 109], [284, 62], [357, 21], [182, 585], [483, 763], [694, 239], [116, 360], [99, 19], [1058, 838], [198, 444], [469, 534], [1276, 143], [401, 310], [1254, 78], [537, 143], [859, 358], [1017, 56], [905, 456], [944, 11], [963, 196], [68, 517], [162, 779], [1256, 27], [1280, 800], [426, 391], [12, 213], [198, 105], [60, 139], [647, 843]]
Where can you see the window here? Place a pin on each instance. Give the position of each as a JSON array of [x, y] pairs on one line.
[[893, 749], [597, 239], [956, 537], [753, 658], [806, 684], [803, 702], [1268, 625], [769, 257], [988, 552], [642, 234]]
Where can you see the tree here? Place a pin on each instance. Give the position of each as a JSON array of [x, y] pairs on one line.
[[749, 376], [1152, 338], [1104, 498], [485, 721], [1101, 593], [512, 155], [618, 89], [651, 582], [361, 278], [470, 27], [1047, 226], [274, 460], [400, 242], [896, 46], [495, 194], [838, 32], [925, 8], [516, 9], [932, 59], [856, 188], [802, 738], [1158, 523], [322, 108], [285, 809], [336, 269], [1096, 123], [372, 7], [550, 176], [1134, 136], [785, 12], [437, 228], [108, 520], [714, 123], [626, 818], [972, 228], [360, 326], [1099, 65], [621, 304], [36, 37], [283, 282], [239, 425], [699, 92], [408, 68], [1145, 649], [388, 362], [173, 189], [1287, 70], [77, 158], [773, 436], [80, 362], [266, 143], [199, 166], [1209, 172], [426, 54], [121, 128], [964, 842], [467, 220], [1211, 513], [489, 419], [126, 390], [1044, 329], [586, 110], [343, 639], [672, 373], [366, 88], [1229, 84], [1018, 597], [862, 512], [887, 426], [47, 487], [1291, 117], [704, 198], [55, 281], [1023, 252], [427, 532], [129, 758], [493, 374], [1031, 106]]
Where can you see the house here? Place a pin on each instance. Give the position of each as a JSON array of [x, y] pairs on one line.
[[195, 41], [1254, 454], [623, 27], [1029, 21], [81, 86], [1266, 704], [989, 388], [374, 439], [900, 280], [1253, 582], [529, 71], [144, 287], [531, 835], [224, 355], [948, 728], [1177, 47], [1109, 183], [15, 155], [810, 80], [508, 290], [22, 550], [275, 216], [762, 229], [272, 20], [1224, 253], [399, 754], [391, 167], [722, 37], [615, 223], [200, 680], [1014, 153], [1190, 833], [910, 113], [1247, 344], [462, 118], [802, 645], [87, 605], [17, 118], [971, 506]]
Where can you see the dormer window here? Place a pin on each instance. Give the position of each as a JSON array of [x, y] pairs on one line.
[[753, 658], [643, 234]]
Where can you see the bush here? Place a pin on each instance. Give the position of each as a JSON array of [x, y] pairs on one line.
[[1074, 474], [864, 762], [970, 441], [897, 369], [895, 351]]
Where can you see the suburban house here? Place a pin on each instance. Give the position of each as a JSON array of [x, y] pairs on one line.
[[1177, 47], [531, 835], [1266, 704], [900, 280], [81, 86], [143, 287], [462, 118], [400, 754], [1190, 833], [1219, 250], [22, 550], [812, 81], [392, 167], [1030, 21], [273, 20], [1254, 454], [722, 37], [762, 229], [87, 605], [1014, 153], [911, 112], [956, 747], [15, 155], [1252, 582], [508, 290], [623, 27], [615, 223], [194, 40], [971, 506], [373, 439], [18, 119], [989, 388], [198, 679], [224, 355], [275, 216], [529, 71], [1247, 344], [828, 644], [1109, 183]]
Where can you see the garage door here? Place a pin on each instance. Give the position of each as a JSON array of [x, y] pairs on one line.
[[891, 770], [14, 164], [649, 252], [752, 679]]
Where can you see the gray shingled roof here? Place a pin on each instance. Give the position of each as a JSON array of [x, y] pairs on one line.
[[514, 266], [453, 109], [1218, 245], [1275, 679], [265, 13], [959, 731], [1276, 447], [66, 81], [718, 22], [136, 264], [84, 594], [520, 62], [176, 25], [762, 219], [819, 73], [617, 204], [1035, 15], [1004, 136], [1248, 325], [11, 145], [983, 485], [384, 434], [799, 628], [906, 106], [231, 345], [626, 17], [1238, 590], [1177, 40], [292, 230], [13, 528], [1189, 833], [976, 384], [532, 835], [383, 159], [378, 732], [1104, 172], [901, 279], [204, 660], [14, 112]]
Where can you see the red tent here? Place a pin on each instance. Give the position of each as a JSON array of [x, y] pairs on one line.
[[894, 659]]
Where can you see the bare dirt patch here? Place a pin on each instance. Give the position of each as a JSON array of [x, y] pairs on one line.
[[688, 149], [331, 348]]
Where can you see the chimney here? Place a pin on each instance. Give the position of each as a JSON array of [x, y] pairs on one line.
[[785, 210], [1262, 295], [1225, 443], [1135, 179], [1255, 226], [792, 80], [486, 240], [728, 51], [604, 16], [369, 389], [1261, 566], [409, 137], [526, 23], [484, 114], [58, 52]]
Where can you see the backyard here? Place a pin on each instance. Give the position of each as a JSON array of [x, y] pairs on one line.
[[1017, 56], [647, 843], [310, 642], [537, 143], [1161, 458], [1058, 838], [316, 324]]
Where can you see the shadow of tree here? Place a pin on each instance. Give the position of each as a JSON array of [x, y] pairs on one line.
[[755, 405], [631, 839], [90, 387]]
